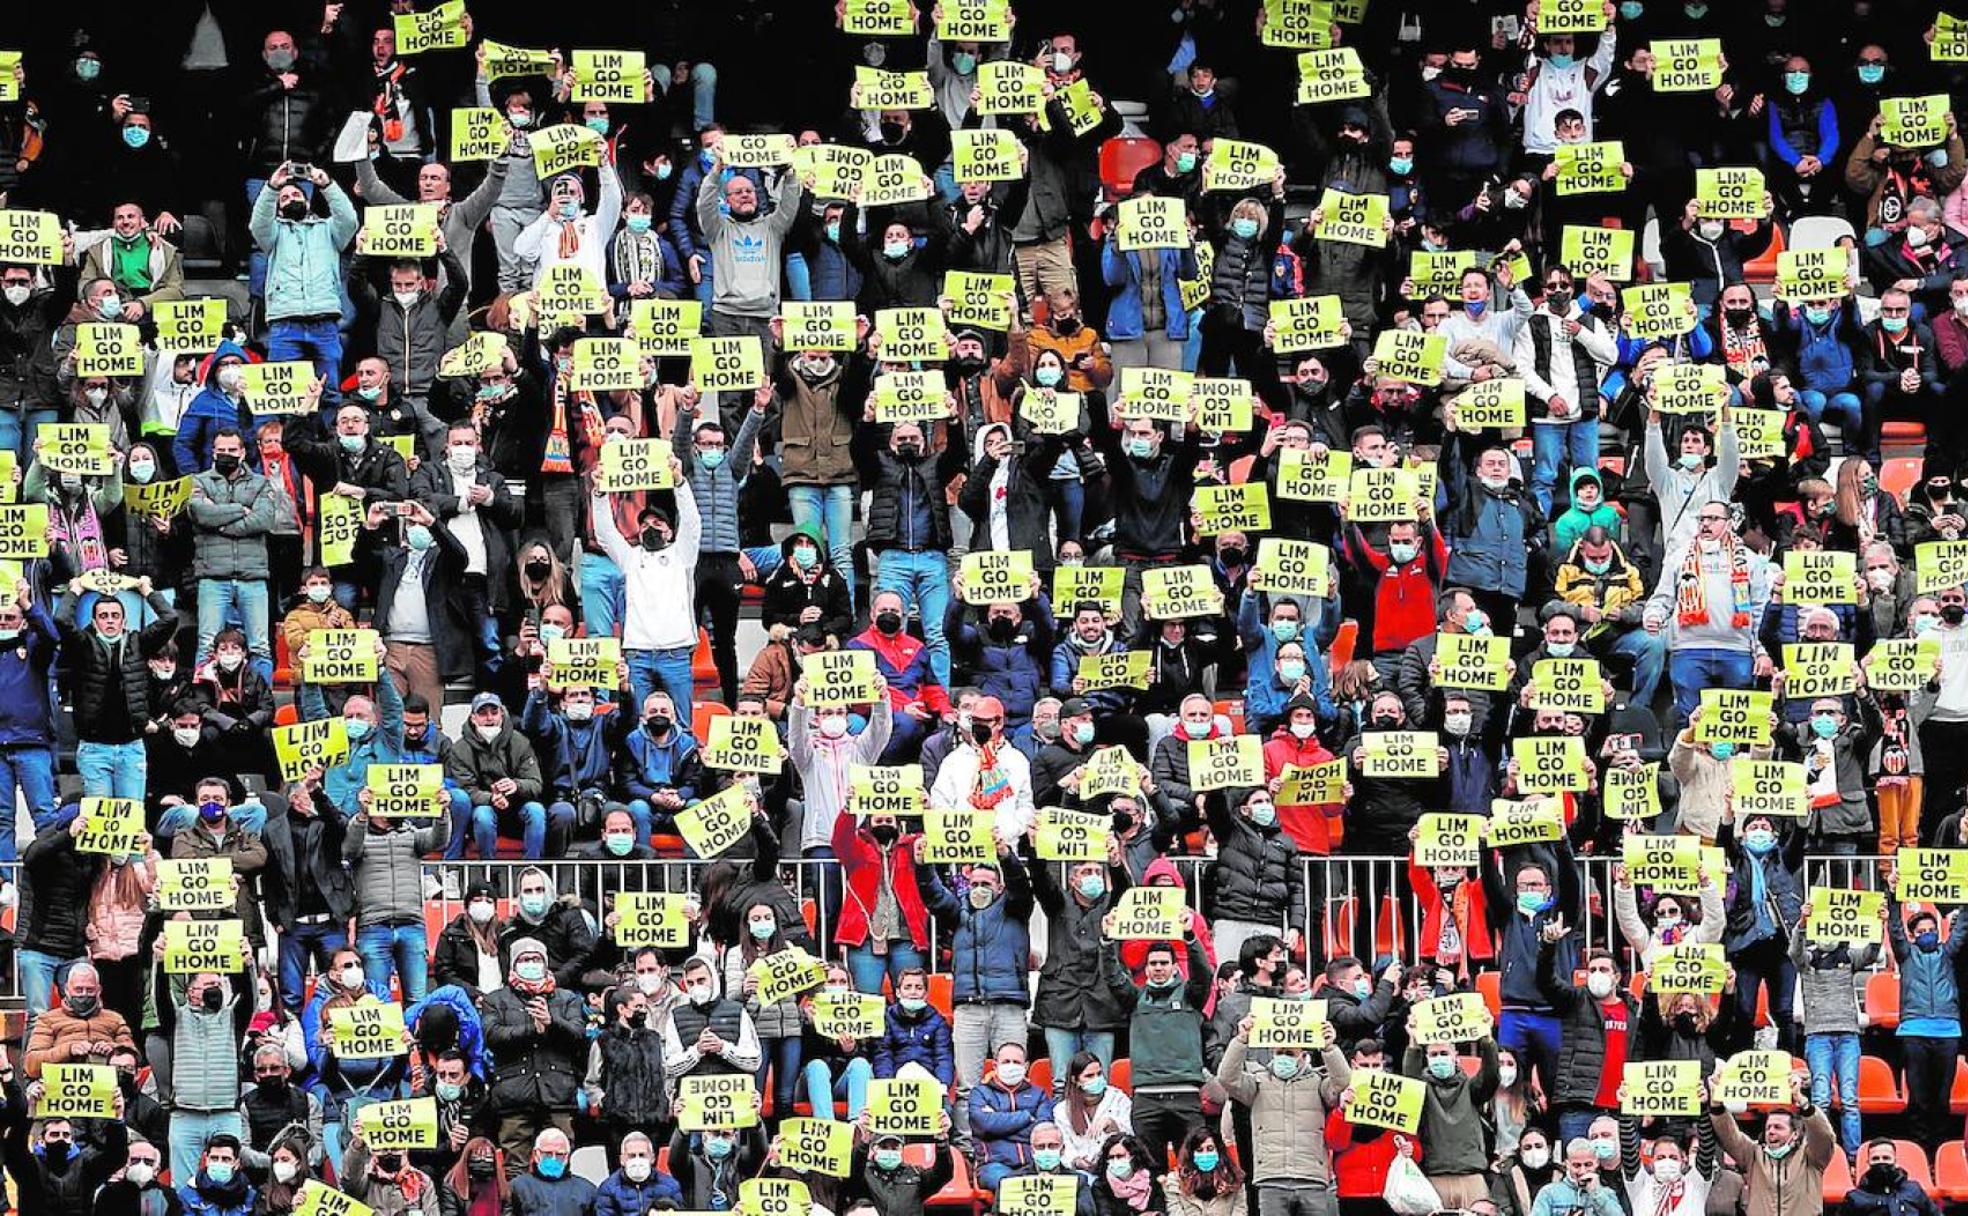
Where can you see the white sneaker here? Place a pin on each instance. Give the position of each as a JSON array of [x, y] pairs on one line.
[[449, 886], [431, 886]]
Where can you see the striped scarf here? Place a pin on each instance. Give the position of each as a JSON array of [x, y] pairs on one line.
[[993, 784], [559, 457], [81, 530], [1691, 596]]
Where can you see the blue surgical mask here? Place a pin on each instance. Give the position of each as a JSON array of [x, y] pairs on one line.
[[912, 1004], [1561, 61], [1760, 840], [895, 251], [1046, 1159], [1824, 726], [357, 728], [1185, 162], [1048, 376], [663, 171], [1816, 314], [1284, 1067], [417, 536], [1476, 307], [219, 1172], [1928, 940], [370, 392], [1598, 567], [1630, 10], [834, 231], [717, 1147], [1284, 631], [963, 63], [1605, 1150], [352, 443], [534, 905], [136, 136], [1400, 166], [569, 210], [1441, 1067], [552, 1167], [1402, 552], [598, 125], [1291, 671], [1560, 650], [1529, 902], [1206, 1160], [1263, 814], [888, 1159], [1141, 449], [1093, 886], [1244, 229], [763, 929], [707, 158], [1083, 733], [1472, 621], [1722, 751], [1795, 83], [638, 224], [1120, 1169], [1893, 325], [1871, 73], [711, 458], [1095, 1087]]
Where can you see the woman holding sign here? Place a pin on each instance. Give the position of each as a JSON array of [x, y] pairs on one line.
[[346, 1084]]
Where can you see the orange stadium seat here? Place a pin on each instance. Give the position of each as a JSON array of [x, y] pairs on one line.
[[1837, 1181], [1898, 475], [1490, 984], [1902, 438], [1120, 1075], [1763, 267], [1913, 1159], [701, 714], [1039, 1072], [1121, 158], [1879, 1089], [703, 667], [1882, 1005], [1345, 640], [1951, 1173], [286, 715]]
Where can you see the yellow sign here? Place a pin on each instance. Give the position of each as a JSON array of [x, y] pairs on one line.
[[635, 464], [1514, 823], [1049, 411], [192, 947], [1353, 219], [1310, 785], [110, 825], [1592, 168], [1008, 86], [1914, 122], [1590, 251], [1818, 669], [1549, 764], [10, 75], [1401, 754], [905, 1106], [371, 1030], [1072, 836], [996, 576], [1940, 564], [1150, 221], [405, 230], [722, 1100], [1458, 1018], [32, 237], [1903, 664], [1332, 75], [1932, 876], [727, 364], [1570, 16], [1297, 24], [109, 349], [974, 21], [1109, 771], [1306, 477], [1448, 840], [339, 526], [77, 1091], [774, 1197], [614, 77], [981, 301], [1839, 914], [839, 677], [910, 397], [202, 884], [1156, 393], [1686, 65], [1490, 405], [757, 151], [988, 154], [279, 388], [1824, 576], [569, 292], [1243, 507], [1291, 567], [558, 149], [408, 1124], [878, 18], [664, 329], [1950, 44], [788, 973], [1229, 762], [593, 662], [1376, 496], [745, 745], [1083, 111], [76, 447], [502, 61], [889, 181], [885, 789], [958, 837], [1221, 405], [1173, 593], [1658, 310], [710, 827], [1235, 164], [1573, 686], [1481, 663], [304, 746], [1805, 274], [341, 656], [1661, 1089], [1408, 354], [1738, 716], [477, 133], [817, 1146], [1768, 787], [188, 327], [832, 171], [440, 29], [1149, 914], [848, 1015], [1730, 193], [606, 365], [1667, 863], [1039, 1194], [317, 1198], [23, 531], [817, 325], [406, 791], [1385, 1099], [481, 352], [1279, 1024], [1306, 323], [1758, 1078], [1118, 669], [1632, 793], [1759, 433]]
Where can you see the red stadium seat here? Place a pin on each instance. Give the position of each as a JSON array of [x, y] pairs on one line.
[[701, 714], [1837, 1180], [1882, 1005], [1879, 1089], [1490, 984], [286, 715], [941, 995], [1951, 1173], [1902, 438], [1120, 1075], [1345, 640], [1898, 476], [703, 668], [1763, 268], [1039, 1072], [1121, 158], [1913, 1159]]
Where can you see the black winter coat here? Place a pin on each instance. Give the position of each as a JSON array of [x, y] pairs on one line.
[[1582, 1045], [27, 351], [90, 680], [1073, 988], [886, 523], [1257, 873], [54, 905], [534, 1070]]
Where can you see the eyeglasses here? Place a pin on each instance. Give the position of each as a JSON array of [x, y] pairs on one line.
[[1872, 63]]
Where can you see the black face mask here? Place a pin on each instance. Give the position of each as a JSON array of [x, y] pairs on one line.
[[213, 1000], [293, 211], [657, 723], [653, 540], [1684, 1023], [1066, 326], [888, 623], [892, 132], [1952, 613], [1604, 311], [481, 1167], [273, 1087], [886, 834], [55, 1152], [908, 451], [639, 1019], [1884, 1177], [389, 1163], [1002, 629], [980, 733], [1231, 557], [538, 569], [967, 367], [1739, 317], [225, 466], [1386, 722]]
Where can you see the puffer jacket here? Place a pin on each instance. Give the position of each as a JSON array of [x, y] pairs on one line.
[[27, 349], [286, 124], [389, 872], [1783, 886], [115, 928], [1907, 1198], [1828, 978], [534, 1070], [233, 516], [888, 523], [1073, 989], [1257, 874], [1240, 280], [304, 257], [1490, 534], [1287, 1117], [779, 1020], [1013, 671], [90, 681], [922, 1039], [617, 1196], [1125, 312], [991, 949], [1002, 1120], [475, 765], [1582, 1046], [412, 340]]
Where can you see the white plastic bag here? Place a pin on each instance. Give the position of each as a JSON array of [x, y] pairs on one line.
[[1407, 1191]]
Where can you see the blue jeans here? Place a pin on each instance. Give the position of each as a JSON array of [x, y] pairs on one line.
[[922, 580], [781, 1058], [868, 968], [1836, 1056], [822, 1087], [30, 769], [402, 950], [112, 770], [1575, 1121], [1694, 670], [461, 818], [703, 91], [19, 428], [601, 596], [799, 279], [1552, 443], [1534, 1037], [39, 973], [1066, 497], [250, 815], [532, 830], [320, 342], [245, 598], [831, 510], [765, 559], [1844, 409], [666, 671], [301, 945], [1064, 1042], [1649, 651], [189, 1131]]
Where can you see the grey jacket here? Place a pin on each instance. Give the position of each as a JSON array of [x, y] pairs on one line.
[[232, 517], [1288, 1118], [389, 872], [746, 254], [462, 219], [1831, 992], [716, 490], [412, 340], [204, 1053]]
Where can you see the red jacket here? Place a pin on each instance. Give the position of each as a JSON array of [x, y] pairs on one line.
[[1310, 826], [1471, 911], [904, 662], [1404, 598], [1360, 1166], [861, 862]]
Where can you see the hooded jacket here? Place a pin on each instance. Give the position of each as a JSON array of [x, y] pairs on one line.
[[476, 763], [210, 410], [304, 257], [1286, 1116], [788, 594], [990, 950]]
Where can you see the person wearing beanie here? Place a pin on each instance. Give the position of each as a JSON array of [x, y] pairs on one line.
[[538, 1035]]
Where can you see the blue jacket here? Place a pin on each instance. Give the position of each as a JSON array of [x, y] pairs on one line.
[[196, 1204], [211, 409], [334, 1080], [1013, 672], [1489, 535], [1827, 146], [24, 682], [1928, 988], [574, 756], [568, 1195], [344, 782], [1002, 1119], [617, 1196], [644, 765], [1825, 359], [304, 257], [921, 1039], [471, 1032], [675, 283], [991, 950], [1066, 664], [1123, 273]]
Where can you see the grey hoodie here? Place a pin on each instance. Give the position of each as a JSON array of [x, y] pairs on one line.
[[746, 254]]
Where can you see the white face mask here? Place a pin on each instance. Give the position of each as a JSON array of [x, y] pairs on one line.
[[186, 736], [1506, 1075], [1667, 1171], [1457, 724], [481, 912], [143, 1172], [1916, 237], [636, 1169], [351, 977], [17, 296], [1711, 230], [1536, 1158], [1303, 730], [405, 298], [648, 983], [485, 732], [95, 396], [833, 726], [701, 994], [283, 1171], [461, 457], [231, 379], [1961, 305], [1011, 1074], [1599, 984]]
